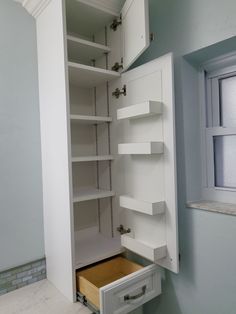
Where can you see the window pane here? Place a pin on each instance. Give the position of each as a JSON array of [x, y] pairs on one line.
[[228, 102], [225, 161]]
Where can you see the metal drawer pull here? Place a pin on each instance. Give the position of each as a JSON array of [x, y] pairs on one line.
[[127, 297]]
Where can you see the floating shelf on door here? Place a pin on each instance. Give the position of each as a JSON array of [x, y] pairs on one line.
[[88, 76], [148, 148], [92, 158], [80, 50], [89, 119], [87, 194], [89, 241], [145, 207], [144, 109], [152, 253]]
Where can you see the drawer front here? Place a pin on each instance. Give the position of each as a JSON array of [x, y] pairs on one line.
[[130, 292]]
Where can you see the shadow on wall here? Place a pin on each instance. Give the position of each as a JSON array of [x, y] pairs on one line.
[[168, 301], [162, 304]]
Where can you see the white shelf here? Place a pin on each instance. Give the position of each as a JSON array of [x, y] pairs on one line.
[[87, 19], [145, 109], [87, 76], [91, 247], [92, 158], [152, 253], [145, 207], [80, 50], [148, 148], [87, 194], [89, 119]]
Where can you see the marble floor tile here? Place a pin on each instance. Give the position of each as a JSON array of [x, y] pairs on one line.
[[39, 298]]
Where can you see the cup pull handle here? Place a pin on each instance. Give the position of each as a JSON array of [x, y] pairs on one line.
[[128, 297]]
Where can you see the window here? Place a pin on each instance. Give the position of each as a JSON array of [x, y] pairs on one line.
[[219, 135]]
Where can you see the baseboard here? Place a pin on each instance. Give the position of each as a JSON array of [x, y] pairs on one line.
[[22, 275]]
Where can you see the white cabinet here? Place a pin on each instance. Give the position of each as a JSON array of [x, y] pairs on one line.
[[108, 150]]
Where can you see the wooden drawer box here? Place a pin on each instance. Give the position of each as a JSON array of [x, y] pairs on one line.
[[118, 285]]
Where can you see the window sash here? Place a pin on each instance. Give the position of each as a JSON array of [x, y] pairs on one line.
[[210, 133]]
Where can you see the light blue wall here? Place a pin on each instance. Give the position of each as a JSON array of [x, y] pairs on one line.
[[21, 216], [206, 283]]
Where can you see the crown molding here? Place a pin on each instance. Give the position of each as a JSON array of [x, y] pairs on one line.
[[107, 5], [34, 7]]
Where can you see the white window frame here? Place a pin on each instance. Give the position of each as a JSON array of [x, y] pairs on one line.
[[215, 70]]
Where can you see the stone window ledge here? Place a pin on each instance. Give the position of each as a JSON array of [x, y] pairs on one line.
[[217, 207]]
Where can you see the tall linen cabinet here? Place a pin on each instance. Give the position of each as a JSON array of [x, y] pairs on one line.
[[108, 148]]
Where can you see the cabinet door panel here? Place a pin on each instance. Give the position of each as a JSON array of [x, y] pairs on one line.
[[135, 30], [149, 176]]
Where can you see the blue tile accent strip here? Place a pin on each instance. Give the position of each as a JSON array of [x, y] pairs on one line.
[[23, 275]]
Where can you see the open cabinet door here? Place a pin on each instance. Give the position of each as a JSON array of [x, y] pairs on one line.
[[135, 30], [144, 171]]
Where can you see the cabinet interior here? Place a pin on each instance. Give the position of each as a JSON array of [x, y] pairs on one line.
[[89, 51]]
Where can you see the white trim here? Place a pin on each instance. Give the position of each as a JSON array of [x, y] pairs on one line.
[[110, 6], [210, 133], [223, 61], [203, 119], [216, 68], [34, 7]]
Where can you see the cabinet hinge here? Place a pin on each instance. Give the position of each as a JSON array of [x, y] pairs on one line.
[[118, 92], [117, 66], [122, 230], [116, 23], [152, 37]]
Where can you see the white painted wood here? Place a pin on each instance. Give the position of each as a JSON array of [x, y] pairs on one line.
[[112, 296], [153, 253], [34, 7], [140, 148], [145, 109], [113, 6], [91, 247], [145, 207], [55, 143], [153, 236], [87, 18], [87, 194], [135, 30], [84, 51], [92, 158], [147, 177], [89, 119], [87, 76]]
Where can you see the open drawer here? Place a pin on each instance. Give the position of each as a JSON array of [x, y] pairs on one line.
[[119, 286]]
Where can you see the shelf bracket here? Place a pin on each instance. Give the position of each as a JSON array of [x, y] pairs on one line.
[[122, 230], [116, 23], [118, 92]]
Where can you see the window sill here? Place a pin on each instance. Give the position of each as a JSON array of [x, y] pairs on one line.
[[217, 207]]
